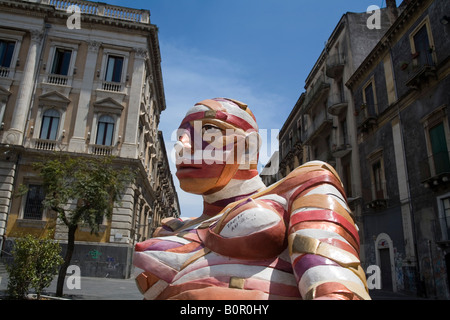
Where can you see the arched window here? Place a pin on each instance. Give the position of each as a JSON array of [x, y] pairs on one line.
[[105, 131], [50, 124]]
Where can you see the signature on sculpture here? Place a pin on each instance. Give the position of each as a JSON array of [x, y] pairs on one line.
[[295, 239]]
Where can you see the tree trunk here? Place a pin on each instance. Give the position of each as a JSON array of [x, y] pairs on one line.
[[67, 259]]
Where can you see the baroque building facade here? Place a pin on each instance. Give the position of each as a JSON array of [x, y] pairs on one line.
[[377, 110], [85, 81], [401, 102], [321, 125]]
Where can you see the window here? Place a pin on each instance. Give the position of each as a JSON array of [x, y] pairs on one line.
[[105, 130], [369, 99], [33, 205], [444, 216], [50, 124], [6, 53], [377, 176], [423, 47], [61, 61], [439, 149], [114, 69], [377, 180]]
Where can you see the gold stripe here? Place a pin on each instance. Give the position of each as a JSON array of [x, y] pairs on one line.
[[321, 201], [302, 244], [236, 283], [195, 257], [361, 275], [352, 286]]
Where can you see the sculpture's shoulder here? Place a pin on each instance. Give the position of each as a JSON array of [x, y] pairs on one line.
[[304, 177]]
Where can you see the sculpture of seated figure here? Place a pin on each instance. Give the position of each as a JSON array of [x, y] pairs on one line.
[[295, 239]]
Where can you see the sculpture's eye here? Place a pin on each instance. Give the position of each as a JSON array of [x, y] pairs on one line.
[[209, 128]]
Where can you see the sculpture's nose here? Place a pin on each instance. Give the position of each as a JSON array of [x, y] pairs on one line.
[[183, 147]]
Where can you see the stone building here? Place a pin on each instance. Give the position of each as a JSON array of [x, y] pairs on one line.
[[321, 125], [401, 101], [82, 78]]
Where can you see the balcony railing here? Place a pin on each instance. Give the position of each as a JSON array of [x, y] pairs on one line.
[[57, 79], [319, 88], [322, 121], [335, 65], [101, 150], [4, 72], [101, 9], [366, 117], [421, 70], [337, 104], [435, 169], [112, 86], [47, 145]]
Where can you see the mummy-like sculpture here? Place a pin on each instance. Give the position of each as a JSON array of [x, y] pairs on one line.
[[293, 240]]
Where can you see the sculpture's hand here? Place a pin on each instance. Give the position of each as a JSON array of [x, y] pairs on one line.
[[168, 226]]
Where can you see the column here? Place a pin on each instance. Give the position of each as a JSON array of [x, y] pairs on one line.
[[402, 176], [78, 141], [130, 141], [7, 173], [15, 134]]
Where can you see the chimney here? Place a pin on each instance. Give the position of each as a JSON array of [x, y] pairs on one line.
[[392, 10]]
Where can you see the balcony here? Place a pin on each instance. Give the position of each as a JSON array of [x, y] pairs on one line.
[[46, 145], [421, 71], [319, 125], [100, 9], [335, 65], [366, 117], [337, 104], [341, 150], [102, 150], [57, 79], [316, 92], [435, 170], [112, 86]]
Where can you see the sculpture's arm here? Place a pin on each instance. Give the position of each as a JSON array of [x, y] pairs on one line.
[[323, 238]]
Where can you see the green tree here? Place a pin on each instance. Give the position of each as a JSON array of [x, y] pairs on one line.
[[36, 262], [81, 191]]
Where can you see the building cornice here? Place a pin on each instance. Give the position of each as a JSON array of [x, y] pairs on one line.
[[385, 43]]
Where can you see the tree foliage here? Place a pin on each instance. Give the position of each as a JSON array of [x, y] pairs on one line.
[[83, 191], [36, 261]]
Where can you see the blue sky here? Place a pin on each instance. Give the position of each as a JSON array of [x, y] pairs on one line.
[[256, 51]]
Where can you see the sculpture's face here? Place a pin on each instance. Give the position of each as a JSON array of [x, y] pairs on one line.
[[213, 140]]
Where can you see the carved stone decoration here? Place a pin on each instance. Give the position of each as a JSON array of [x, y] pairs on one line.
[[141, 53], [93, 45], [36, 35]]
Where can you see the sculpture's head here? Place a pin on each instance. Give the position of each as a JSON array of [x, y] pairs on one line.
[[217, 141]]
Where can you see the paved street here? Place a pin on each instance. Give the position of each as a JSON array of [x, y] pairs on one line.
[[125, 289], [92, 289]]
